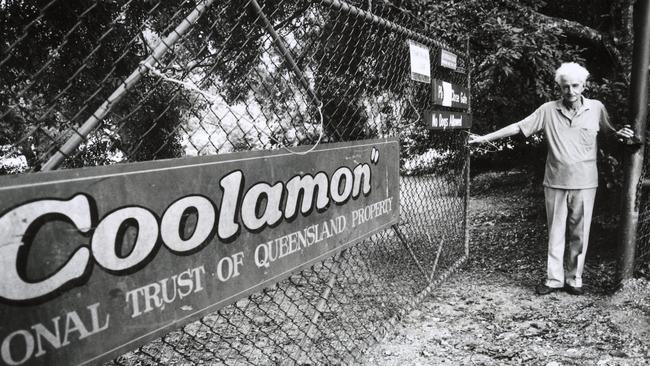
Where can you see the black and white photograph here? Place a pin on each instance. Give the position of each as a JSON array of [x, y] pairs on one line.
[[324, 182]]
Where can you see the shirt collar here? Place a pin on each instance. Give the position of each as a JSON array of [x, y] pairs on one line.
[[586, 104]]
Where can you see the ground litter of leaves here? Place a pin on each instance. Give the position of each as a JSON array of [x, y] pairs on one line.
[[488, 312]]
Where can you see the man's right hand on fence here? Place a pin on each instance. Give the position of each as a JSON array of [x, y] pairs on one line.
[[476, 139]]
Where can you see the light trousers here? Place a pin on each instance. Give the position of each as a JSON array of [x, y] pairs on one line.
[[568, 212]]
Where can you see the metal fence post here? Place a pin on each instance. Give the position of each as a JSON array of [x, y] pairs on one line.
[[633, 163], [306, 342], [286, 54], [467, 176], [95, 119], [406, 244]]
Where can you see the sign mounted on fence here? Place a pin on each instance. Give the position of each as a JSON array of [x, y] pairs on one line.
[[444, 120], [96, 261], [420, 62], [448, 59], [449, 95]]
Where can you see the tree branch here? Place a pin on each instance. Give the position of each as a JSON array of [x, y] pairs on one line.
[[577, 30]]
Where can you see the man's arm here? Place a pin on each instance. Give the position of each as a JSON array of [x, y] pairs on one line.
[[625, 135], [509, 130]]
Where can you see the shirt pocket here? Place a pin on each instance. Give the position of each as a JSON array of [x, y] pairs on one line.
[[587, 138]]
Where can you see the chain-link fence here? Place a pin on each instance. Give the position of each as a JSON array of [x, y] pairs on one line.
[[89, 83]]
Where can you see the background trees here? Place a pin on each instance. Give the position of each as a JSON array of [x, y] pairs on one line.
[[516, 46], [61, 59]]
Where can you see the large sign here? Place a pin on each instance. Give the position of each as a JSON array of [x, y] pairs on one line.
[[443, 120], [450, 95], [96, 261]]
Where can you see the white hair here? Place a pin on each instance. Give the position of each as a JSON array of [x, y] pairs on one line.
[[571, 69]]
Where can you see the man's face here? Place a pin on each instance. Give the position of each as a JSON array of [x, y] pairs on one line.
[[571, 88]]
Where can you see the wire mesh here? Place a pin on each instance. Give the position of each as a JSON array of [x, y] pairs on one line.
[[336, 72]]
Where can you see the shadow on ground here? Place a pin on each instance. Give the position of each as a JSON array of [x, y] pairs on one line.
[[488, 313]]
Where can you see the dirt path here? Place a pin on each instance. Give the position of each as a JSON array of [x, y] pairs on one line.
[[488, 313]]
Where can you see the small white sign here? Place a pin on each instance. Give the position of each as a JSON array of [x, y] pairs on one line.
[[448, 60], [420, 62]]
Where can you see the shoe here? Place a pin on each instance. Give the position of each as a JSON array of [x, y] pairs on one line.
[[542, 289], [573, 290]]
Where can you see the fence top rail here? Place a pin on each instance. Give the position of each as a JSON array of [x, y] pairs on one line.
[[372, 18]]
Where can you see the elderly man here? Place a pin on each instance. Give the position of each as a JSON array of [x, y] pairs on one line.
[[570, 126]]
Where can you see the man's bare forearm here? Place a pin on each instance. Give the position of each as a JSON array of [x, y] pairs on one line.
[[509, 130]]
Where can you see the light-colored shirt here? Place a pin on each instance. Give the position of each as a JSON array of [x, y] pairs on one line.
[[572, 150]]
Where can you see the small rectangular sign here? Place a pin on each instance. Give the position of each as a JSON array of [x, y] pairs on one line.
[[461, 66], [97, 261], [449, 95], [443, 120], [448, 59], [420, 62]]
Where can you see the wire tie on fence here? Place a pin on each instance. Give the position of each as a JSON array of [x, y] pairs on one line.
[[410, 102], [187, 85], [417, 118], [213, 98], [320, 136]]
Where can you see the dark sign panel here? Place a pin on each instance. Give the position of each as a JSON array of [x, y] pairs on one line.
[[96, 261], [449, 95], [442, 120]]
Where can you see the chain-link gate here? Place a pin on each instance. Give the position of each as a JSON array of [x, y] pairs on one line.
[[104, 82]]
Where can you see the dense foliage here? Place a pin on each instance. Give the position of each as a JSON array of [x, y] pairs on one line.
[[59, 60], [517, 44]]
